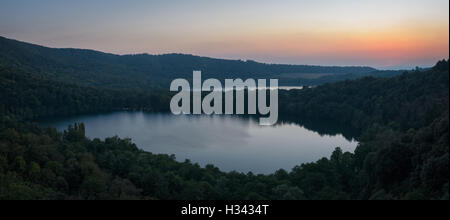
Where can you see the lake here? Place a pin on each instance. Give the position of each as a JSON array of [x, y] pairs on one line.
[[228, 142]]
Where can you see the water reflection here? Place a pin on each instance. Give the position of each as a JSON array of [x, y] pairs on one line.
[[228, 142]]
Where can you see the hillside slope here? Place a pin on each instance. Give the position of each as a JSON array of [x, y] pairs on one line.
[[88, 67]]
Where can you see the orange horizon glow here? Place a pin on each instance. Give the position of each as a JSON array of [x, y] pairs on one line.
[[381, 33]]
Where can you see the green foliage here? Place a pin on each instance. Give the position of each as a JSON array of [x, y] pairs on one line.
[[28, 96], [412, 100]]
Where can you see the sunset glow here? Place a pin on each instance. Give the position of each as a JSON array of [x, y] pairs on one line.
[[382, 33]]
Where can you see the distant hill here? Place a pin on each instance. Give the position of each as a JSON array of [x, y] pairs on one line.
[[89, 67]]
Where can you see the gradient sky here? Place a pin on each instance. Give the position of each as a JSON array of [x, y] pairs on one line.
[[382, 33]]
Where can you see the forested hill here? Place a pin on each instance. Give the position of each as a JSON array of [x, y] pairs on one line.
[[409, 101], [29, 96], [93, 68]]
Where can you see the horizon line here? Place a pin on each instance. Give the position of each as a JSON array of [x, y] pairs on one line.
[[381, 68]]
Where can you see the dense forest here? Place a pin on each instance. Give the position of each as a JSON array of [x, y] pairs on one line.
[[411, 100], [93, 68], [29, 96], [403, 151]]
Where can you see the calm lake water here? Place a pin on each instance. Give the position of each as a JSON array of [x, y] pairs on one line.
[[230, 143]]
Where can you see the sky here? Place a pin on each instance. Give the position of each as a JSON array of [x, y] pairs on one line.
[[383, 33]]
